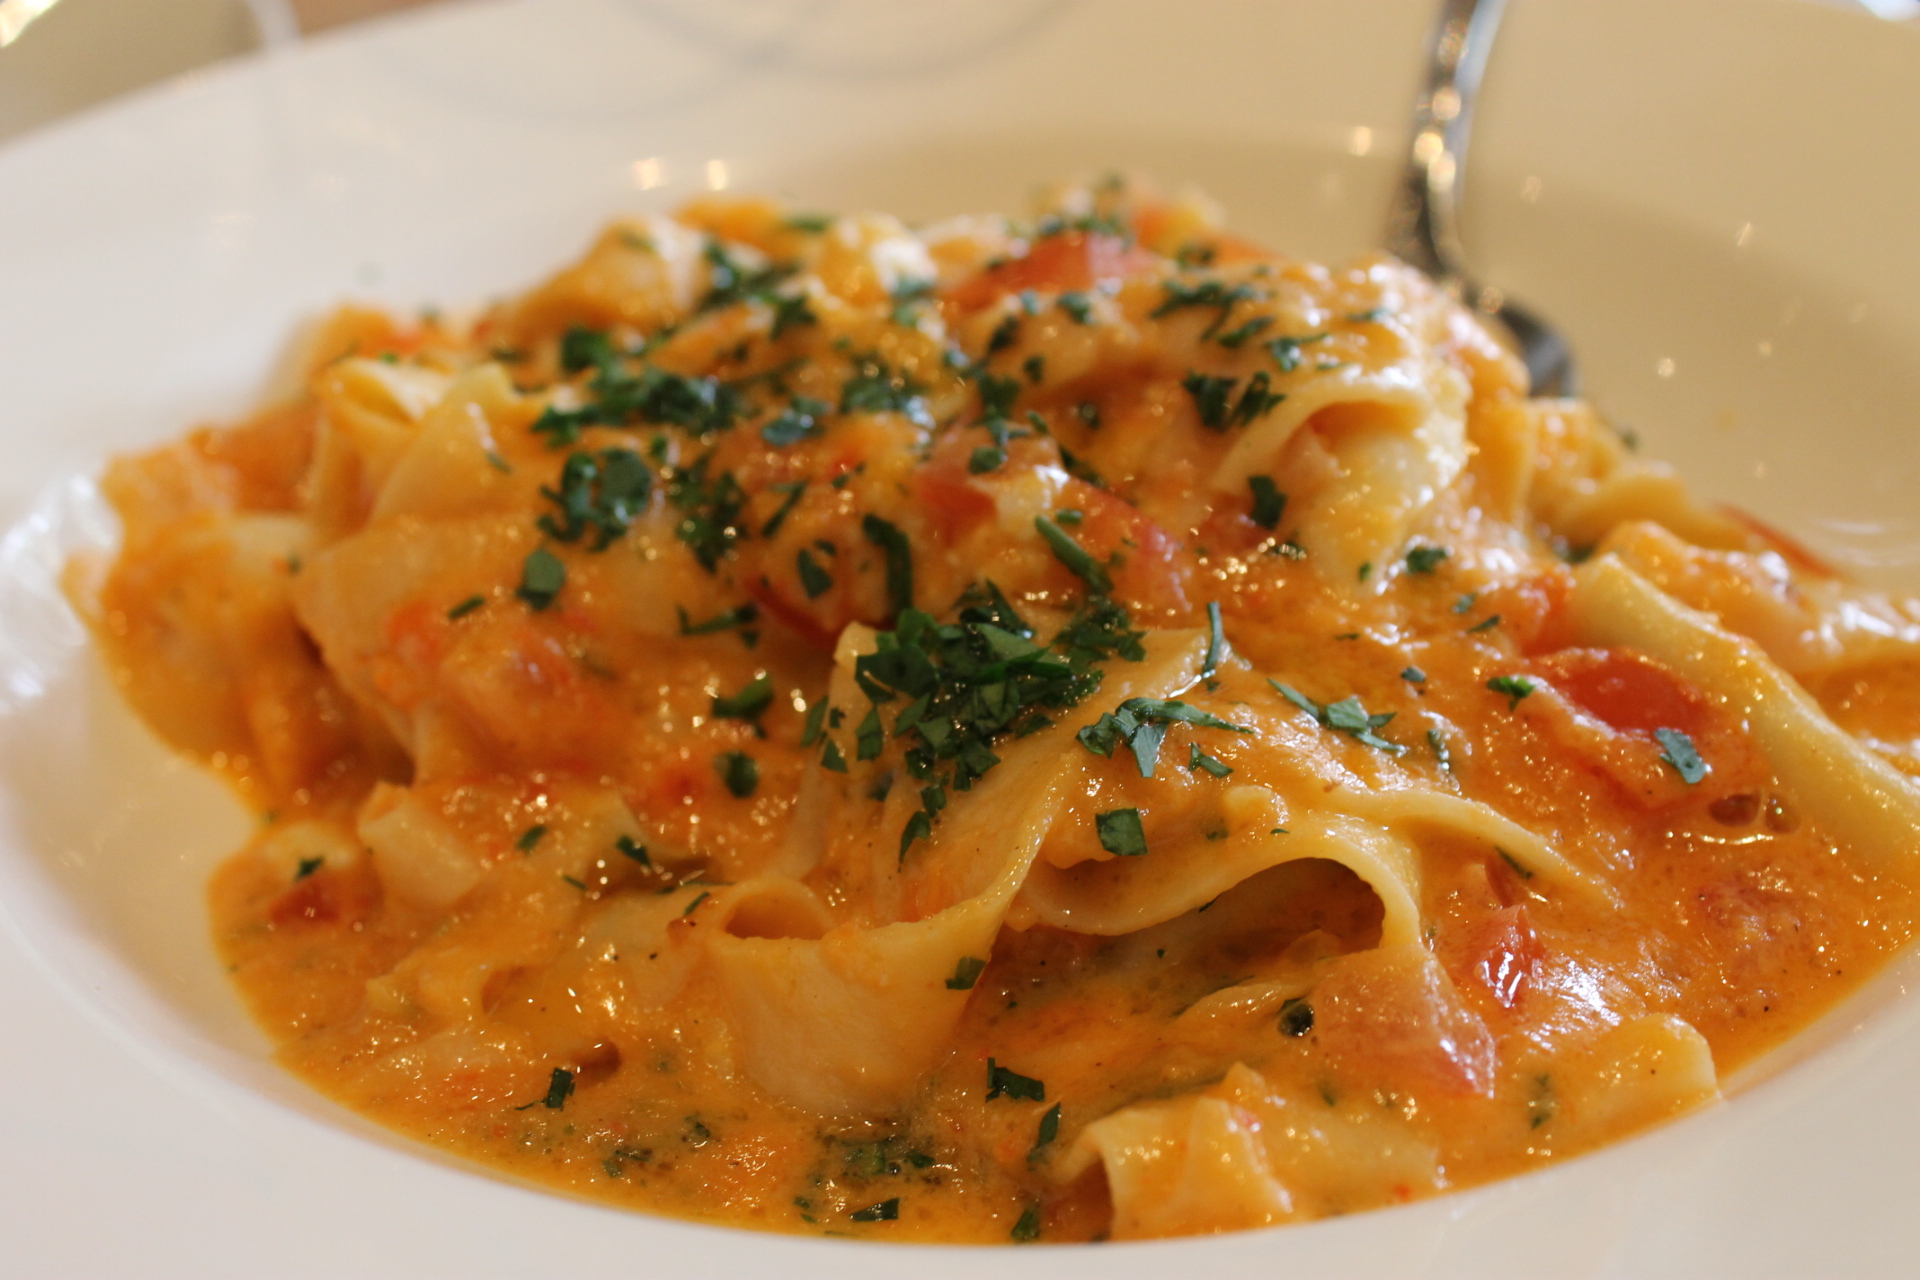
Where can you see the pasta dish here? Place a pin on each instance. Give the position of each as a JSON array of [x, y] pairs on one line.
[[1010, 730]]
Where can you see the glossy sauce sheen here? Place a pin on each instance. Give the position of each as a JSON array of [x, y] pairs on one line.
[[342, 654]]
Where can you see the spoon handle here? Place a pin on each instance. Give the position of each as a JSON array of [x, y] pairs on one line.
[[1423, 225]]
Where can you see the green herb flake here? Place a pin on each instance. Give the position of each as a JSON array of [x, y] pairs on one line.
[[542, 575], [749, 703], [886, 1211], [899, 556], [966, 973], [986, 458], [1239, 336], [1488, 623], [1044, 1136], [1003, 1082], [307, 867], [600, 493], [633, 849], [1425, 559], [1413, 675], [739, 771], [1216, 641], [728, 621], [559, 1089], [1514, 687], [799, 420], [1269, 504], [1286, 351], [832, 758], [1465, 602], [1518, 869], [814, 580], [1346, 716], [1198, 759], [1078, 560], [465, 607], [1027, 1229], [1121, 834], [1212, 398], [1677, 750], [531, 837]]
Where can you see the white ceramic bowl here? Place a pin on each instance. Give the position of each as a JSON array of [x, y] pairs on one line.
[[1716, 198]]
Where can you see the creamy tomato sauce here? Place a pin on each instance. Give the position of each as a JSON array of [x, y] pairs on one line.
[[1053, 731]]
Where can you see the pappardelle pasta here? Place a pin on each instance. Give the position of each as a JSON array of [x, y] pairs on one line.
[[1056, 730]]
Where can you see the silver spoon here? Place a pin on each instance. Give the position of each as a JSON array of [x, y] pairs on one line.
[[1423, 224]]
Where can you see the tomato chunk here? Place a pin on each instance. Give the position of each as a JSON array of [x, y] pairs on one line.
[[1070, 261], [1627, 690]]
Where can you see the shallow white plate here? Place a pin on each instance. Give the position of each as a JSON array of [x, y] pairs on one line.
[[1716, 197]]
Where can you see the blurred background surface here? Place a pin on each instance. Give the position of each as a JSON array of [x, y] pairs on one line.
[[62, 56]]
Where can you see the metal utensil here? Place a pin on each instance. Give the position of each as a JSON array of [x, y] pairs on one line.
[[1423, 224]]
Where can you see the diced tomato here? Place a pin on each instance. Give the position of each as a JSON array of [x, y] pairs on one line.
[[1153, 570], [1070, 261], [953, 504], [1504, 951], [323, 898], [1627, 690]]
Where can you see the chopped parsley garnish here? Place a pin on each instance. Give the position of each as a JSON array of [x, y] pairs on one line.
[[1035, 367], [1071, 516], [739, 771], [812, 224], [1141, 725], [748, 704], [1677, 749], [886, 1211], [1413, 675], [1216, 640], [307, 867], [1519, 868], [1425, 559], [814, 580], [899, 555], [966, 683], [531, 837], [997, 395], [1043, 1137], [1120, 834], [986, 458], [1004, 335], [906, 296], [542, 575], [831, 757], [601, 492], [790, 311], [1269, 504], [876, 388], [1296, 1017], [796, 422], [1286, 351], [1077, 305], [792, 489], [966, 973], [1488, 623], [1078, 560], [731, 281], [728, 621], [465, 607], [1238, 336], [1514, 687], [1372, 315], [559, 1089], [1004, 1082], [1027, 1229], [693, 906], [1198, 759], [1213, 294], [633, 849], [710, 511], [1465, 602], [1213, 399], [1345, 716]]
